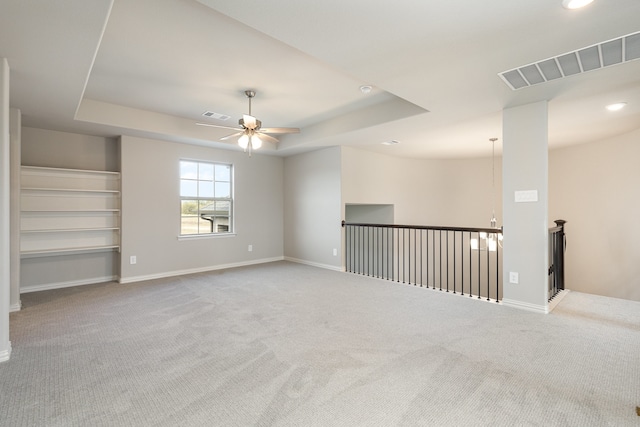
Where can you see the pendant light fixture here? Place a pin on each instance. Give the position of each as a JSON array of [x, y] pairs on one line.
[[490, 241]]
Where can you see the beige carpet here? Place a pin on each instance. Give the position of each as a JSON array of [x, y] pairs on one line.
[[284, 344]]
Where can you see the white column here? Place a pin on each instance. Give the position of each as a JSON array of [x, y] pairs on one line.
[[15, 127], [525, 206], [5, 163]]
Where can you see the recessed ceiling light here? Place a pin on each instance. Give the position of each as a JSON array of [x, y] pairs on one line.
[[575, 4], [392, 142], [617, 106], [365, 89]]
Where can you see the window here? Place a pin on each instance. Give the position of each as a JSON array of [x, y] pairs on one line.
[[205, 197]]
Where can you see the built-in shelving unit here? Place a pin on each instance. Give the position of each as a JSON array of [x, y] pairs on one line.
[[65, 211]]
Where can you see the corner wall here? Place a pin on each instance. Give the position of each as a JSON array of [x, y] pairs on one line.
[[151, 211], [594, 187], [312, 208], [15, 143], [5, 190]]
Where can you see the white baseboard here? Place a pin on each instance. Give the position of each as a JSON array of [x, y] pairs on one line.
[[59, 285], [313, 264], [543, 309], [15, 307], [5, 354], [174, 273]]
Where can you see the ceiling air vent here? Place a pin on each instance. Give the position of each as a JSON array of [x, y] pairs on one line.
[[605, 54], [218, 116]]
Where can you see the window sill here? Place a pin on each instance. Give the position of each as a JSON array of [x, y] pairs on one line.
[[205, 236]]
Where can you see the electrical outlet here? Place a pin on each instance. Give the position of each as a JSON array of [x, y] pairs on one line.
[[250, 248], [335, 252], [133, 259], [513, 277]]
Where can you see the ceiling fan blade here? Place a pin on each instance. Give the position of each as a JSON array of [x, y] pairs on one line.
[[233, 135], [249, 122], [217, 126], [267, 138], [280, 130]]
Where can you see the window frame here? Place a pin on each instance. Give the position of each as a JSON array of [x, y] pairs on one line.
[[209, 199]]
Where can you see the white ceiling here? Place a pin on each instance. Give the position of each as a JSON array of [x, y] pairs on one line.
[[152, 67]]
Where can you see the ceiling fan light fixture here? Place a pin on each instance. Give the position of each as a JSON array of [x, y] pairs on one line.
[[256, 142], [617, 106], [575, 4], [243, 141], [251, 135], [249, 122]]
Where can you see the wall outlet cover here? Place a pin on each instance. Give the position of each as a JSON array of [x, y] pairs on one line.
[[513, 277]]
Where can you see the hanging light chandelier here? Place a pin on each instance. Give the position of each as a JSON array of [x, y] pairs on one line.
[[490, 241]]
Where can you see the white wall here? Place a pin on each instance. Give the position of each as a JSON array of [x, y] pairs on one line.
[[369, 214], [151, 211], [423, 192], [15, 137], [50, 272], [312, 212], [595, 187], [526, 228], [5, 189], [48, 148]]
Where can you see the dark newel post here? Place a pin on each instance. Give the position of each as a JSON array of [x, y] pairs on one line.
[[559, 261]]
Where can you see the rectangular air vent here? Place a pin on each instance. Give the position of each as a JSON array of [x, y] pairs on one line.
[[605, 54], [217, 116]]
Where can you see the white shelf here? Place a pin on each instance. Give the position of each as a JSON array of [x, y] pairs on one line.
[[67, 251], [67, 211], [68, 179], [48, 170], [69, 190], [69, 230]]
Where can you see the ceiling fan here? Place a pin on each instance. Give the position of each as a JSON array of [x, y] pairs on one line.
[[251, 134]]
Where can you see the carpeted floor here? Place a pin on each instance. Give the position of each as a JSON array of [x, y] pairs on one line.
[[284, 344]]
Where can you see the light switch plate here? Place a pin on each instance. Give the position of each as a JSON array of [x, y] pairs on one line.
[[526, 196], [513, 277]]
